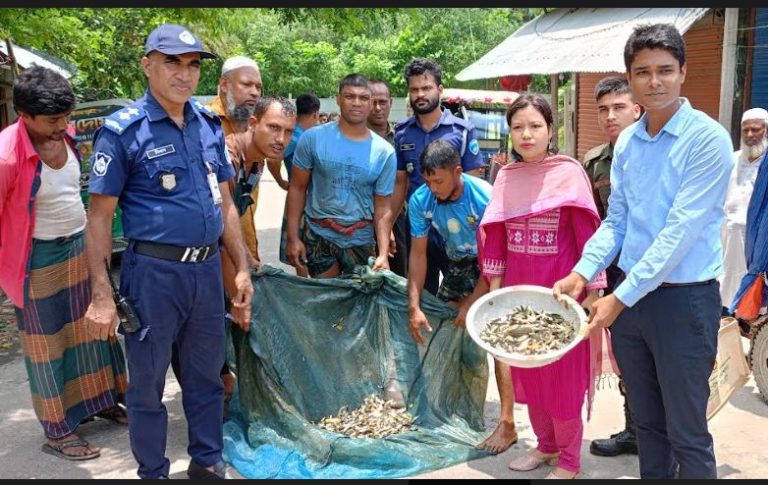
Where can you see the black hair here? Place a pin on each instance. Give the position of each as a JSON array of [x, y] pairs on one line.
[[438, 154], [241, 114], [654, 36], [373, 81], [612, 85], [421, 66], [264, 102], [540, 104], [307, 104], [354, 79], [42, 91]]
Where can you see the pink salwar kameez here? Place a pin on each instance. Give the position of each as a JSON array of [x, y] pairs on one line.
[[542, 215]]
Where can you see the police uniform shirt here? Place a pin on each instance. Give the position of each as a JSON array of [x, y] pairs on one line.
[[597, 163], [159, 171], [411, 139]]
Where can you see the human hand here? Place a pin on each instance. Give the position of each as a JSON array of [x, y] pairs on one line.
[[241, 302], [604, 312], [296, 253], [284, 184], [572, 285], [381, 262], [392, 246], [461, 317], [100, 318], [416, 320]]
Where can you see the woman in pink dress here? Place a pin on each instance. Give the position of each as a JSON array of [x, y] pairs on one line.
[[540, 215]]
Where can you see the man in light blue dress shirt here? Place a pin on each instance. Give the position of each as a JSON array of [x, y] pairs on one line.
[[669, 177]]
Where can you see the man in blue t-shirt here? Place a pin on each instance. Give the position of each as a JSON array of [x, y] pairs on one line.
[[342, 181], [447, 209]]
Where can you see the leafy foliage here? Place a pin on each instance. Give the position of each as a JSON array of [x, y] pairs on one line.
[[298, 49]]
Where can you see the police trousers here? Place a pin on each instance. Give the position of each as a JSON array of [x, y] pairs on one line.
[[182, 303], [665, 346]]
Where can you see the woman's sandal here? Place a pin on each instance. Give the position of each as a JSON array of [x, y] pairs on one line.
[[57, 449], [567, 475], [528, 462]]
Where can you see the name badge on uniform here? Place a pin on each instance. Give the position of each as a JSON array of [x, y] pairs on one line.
[[407, 146], [160, 151], [213, 184], [168, 181]]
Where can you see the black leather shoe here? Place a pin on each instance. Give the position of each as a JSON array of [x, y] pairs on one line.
[[197, 472], [620, 443]]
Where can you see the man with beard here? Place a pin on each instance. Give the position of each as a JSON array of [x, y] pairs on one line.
[[378, 122], [239, 85], [347, 204], [429, 123], [452, 203], [412, 135], [747, 161]]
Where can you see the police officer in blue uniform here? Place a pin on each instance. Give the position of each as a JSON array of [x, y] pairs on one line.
[[164, 160], [412, 135]]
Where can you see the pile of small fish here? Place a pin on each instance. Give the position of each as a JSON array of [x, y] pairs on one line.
[[530, 332], [376, 418]]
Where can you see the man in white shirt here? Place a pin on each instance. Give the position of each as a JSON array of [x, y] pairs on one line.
[[740, 186]]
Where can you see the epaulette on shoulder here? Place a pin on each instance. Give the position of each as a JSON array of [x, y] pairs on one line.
[[458, 120], [593, 153], [206, 111], [121, 119], [403, 123]]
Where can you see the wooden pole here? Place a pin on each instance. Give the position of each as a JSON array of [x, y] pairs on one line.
[[553, 80], [728, 67], [14, 65]]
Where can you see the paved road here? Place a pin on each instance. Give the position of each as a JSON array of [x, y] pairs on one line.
[[739, 429]]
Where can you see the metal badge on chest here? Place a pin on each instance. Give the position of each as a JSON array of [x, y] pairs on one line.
[[168, 181]]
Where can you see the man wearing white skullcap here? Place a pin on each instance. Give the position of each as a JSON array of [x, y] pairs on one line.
[[742, 182], [239, 85]]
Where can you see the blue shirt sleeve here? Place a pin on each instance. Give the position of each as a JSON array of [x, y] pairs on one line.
[[416, 205], [472, 158], [603, 247], [702, 190], [304, 157], [110, 164], [226, 170], [385, 184]]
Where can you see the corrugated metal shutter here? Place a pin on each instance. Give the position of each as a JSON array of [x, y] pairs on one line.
[[704, 53], [759, 94], [703, 47], [588, 134]]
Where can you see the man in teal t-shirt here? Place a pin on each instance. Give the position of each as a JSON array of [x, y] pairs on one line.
[[342, 181], [452, 203]]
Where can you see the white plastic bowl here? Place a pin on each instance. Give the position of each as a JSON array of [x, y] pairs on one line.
[[501, 302]]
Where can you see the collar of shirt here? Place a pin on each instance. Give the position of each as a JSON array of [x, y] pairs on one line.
[[442, 121], [156, 112], [673, 126]]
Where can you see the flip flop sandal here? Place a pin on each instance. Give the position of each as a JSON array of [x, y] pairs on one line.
[[114, 414], [56, 450]]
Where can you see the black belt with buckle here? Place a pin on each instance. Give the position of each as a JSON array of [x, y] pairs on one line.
[[695, 283], [176, 253]]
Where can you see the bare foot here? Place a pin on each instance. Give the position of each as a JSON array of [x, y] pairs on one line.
[[502, 438]]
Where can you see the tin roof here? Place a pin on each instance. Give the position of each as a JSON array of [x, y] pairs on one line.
[[573, 40], [26, 57]]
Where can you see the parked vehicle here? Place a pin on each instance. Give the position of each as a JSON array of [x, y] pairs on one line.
[[486, 110], [87, 118]]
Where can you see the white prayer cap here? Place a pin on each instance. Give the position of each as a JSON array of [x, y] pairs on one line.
[[755, 114], [236, 63]]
